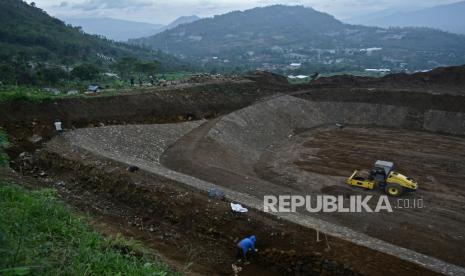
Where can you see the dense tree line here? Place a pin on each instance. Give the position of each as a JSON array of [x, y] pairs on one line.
[[36, 48], [20, 71]]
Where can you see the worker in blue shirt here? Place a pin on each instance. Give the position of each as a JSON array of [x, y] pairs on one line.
[[244, 246]]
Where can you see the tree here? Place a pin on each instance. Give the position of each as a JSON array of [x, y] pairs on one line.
[[51, 75], [86, 71], [7, 74], [125, 66], [129, 65], [147, 68]]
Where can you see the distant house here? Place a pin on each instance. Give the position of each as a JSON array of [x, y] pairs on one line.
[[111, 75], [381, 70], [93, 88], [295, 65], [369, 51], [300, 77]]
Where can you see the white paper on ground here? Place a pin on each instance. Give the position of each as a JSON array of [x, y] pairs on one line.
[[58, 126], [238, 208]]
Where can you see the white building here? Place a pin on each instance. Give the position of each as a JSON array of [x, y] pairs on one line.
[[295, 65]]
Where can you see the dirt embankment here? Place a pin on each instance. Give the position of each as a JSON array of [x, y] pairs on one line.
[[407, 98], [444, 80], [238, 139], [30, 124]]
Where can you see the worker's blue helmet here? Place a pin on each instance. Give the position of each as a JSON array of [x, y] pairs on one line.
[[253, 238]]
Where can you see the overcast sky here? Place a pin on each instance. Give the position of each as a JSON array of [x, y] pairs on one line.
[[164, 11]]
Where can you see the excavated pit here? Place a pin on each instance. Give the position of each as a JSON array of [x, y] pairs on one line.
[[290, 145], [269, 148], [318, 161]]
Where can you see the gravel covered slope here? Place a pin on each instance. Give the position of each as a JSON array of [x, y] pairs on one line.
[[142, 142]]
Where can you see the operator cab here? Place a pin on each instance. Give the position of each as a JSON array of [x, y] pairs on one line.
[[381, 171]]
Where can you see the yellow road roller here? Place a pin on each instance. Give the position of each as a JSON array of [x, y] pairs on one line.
[[382, 176]]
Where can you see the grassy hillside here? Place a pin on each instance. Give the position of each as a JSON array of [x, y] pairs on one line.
[[39, 236]]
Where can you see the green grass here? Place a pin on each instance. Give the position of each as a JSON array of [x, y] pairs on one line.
[[39, 236], [111, 87], [173, 76], [24, 94], [3, 145]]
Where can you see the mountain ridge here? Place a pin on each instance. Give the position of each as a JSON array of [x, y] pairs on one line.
[[273, 37], [124, 30], [182, 20], [448, 17], [115, 29]]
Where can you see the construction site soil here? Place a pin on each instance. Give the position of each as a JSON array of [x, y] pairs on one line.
[[251, 138], [450, 80]]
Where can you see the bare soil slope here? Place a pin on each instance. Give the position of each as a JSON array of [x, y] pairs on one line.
[[443, 80]]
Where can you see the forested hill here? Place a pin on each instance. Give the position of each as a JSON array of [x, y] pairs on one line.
[[273, 37], [29, 34]]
